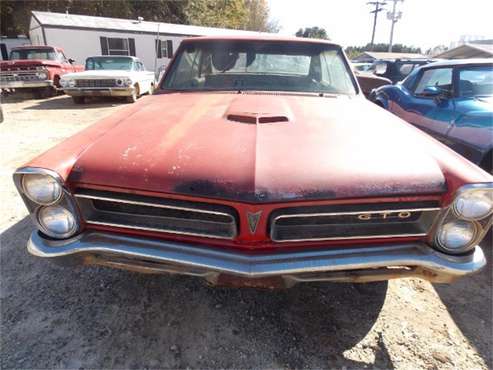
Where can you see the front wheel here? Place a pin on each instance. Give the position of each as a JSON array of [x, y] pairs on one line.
[[135, 95], [78, 99]]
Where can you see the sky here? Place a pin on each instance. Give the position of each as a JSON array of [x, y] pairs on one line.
[[424, 23]]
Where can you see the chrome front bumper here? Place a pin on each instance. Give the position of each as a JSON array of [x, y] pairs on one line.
[[25, 84], [363, 264], [99, 91]]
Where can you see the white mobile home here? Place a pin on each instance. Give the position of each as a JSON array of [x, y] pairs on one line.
[[82, 36]]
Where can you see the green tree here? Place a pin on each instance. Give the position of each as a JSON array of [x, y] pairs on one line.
[[258, 17], [354, 51], [313, 33], [217, 13]]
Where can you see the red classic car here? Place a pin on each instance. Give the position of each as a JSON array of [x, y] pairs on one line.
[[259, 163], [36, 68]]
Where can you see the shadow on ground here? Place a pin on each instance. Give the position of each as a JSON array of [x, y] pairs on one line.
[[57, 317], [469, 301]]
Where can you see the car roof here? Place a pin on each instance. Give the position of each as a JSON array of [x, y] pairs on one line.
[[35, 47], [260, 37], [113, 56], [459, 62]]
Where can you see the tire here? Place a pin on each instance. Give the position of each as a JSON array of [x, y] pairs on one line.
[[79, 99], [135, 95]]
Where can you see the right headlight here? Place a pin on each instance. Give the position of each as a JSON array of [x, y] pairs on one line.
[[466, 221], [71, 83], [41, 188], [57, 221]]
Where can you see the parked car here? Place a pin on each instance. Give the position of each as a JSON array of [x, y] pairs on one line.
[[361, 66], [120, 76], [37, 69], [259, 163], [452, 101], [396, 69]]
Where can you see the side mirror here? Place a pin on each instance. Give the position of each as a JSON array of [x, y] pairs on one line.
[[71, 61], [380, 68], [433, 91]]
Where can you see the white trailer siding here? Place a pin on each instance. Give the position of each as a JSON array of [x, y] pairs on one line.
[[86, 43]]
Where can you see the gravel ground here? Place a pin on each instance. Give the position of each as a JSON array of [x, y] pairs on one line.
[[64, 318]]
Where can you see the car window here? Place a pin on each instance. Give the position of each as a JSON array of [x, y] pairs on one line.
[[439, 77], [476, 81], [111, 63], [259, 65], [409, 81], [405, 69], [42, 53]]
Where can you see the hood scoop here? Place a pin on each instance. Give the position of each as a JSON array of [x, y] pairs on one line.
[[256, 118]]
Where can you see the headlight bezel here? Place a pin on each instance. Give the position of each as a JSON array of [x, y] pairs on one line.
[[29, 194], [450, 214], [66, 200], [51, 233]]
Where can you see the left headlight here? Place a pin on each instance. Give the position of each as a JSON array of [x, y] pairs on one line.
[[57, 221], [474, 204], [466, 221], [71, 83], [42, 189]]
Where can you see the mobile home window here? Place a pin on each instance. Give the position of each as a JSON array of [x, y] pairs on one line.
[[117, 46], [164, 48]]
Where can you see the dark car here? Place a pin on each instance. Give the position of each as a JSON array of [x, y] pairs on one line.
[[396, 69], [452, 101]]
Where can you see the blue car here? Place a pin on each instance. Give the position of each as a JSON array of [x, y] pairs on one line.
[[452, 101]]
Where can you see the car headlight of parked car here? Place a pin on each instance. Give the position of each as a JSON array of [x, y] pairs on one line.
[[51, 205], [42, 75], [123, 82], [71, 83], [466, 220]]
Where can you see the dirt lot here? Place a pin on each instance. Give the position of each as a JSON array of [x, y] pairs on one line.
[[54, 317]]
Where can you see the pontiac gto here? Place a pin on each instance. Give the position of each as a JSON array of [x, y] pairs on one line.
[[259, 163]]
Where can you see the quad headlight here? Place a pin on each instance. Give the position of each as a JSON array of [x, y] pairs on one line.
[[42, 75], [41, 189], [467, 220], [51, 205], [57, 221], [71, 83], [123, 81]]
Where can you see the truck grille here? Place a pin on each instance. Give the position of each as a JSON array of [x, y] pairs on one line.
[[19, 75], [157, 214], [96, 83], [388, 220]]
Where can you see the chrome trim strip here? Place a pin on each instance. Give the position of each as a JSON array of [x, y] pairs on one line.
[[116, 200], [437, 266], [329, 214], [350, 237]]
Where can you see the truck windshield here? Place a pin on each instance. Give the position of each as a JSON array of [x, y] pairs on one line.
[[113, 63], [260, 66], [41, 53]]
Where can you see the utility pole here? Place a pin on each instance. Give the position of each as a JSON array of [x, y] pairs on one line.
[[375, 12], [393, 16]]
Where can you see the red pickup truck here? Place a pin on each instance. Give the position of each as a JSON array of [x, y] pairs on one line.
[[36, 68]]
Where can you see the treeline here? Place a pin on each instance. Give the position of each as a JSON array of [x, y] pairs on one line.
[[353, 51], [236, 14]]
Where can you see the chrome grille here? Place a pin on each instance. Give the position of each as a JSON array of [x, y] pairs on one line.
[[388, 220], [96, 83], [19, 75], [157, 214]]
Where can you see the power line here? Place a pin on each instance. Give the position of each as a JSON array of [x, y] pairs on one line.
[[379, 6]]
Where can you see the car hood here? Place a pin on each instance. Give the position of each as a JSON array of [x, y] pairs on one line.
[[16, 63], [213, 145], [99, 74]]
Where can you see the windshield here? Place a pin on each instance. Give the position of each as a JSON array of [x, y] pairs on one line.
[[42, 53], [476, 81], [113, 63], [261, 66]]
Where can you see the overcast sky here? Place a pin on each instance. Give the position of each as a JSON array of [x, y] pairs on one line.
[[424, 23]]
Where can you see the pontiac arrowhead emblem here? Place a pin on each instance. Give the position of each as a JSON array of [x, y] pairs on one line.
[[253, 219]]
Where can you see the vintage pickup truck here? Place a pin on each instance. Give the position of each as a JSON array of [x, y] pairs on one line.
[[259, 163], [37, 69]]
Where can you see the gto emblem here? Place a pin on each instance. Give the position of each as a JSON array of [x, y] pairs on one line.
[[253, 219], [384, 215]]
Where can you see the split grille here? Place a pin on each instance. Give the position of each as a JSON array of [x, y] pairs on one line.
[[96, 83], [157, 214], [21, 75], [293, 224], [353, 221]]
